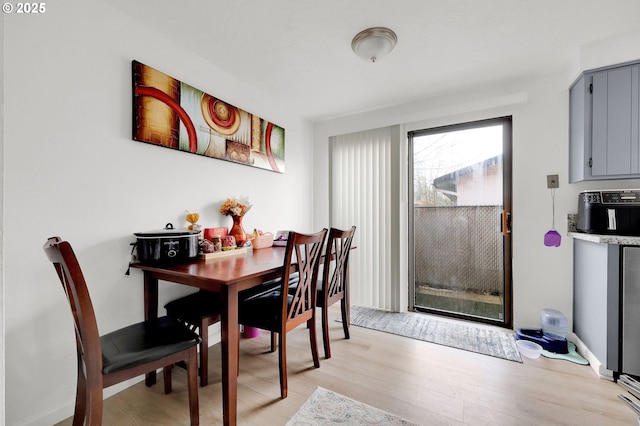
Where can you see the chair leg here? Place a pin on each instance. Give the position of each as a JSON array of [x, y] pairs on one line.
[[314, 342], [325, 331], [192, 386], [282, 351], [346, 319], [238, 358], [81, 397], [273, 341], [166, 371], [204, 354], [94, 404]]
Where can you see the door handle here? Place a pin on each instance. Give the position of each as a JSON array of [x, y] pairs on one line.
[[505, 222]]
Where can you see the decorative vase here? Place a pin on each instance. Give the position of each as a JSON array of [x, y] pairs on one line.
[[238, 231]]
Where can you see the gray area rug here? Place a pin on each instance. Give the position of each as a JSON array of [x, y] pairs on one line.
[[482, 340], [325, 407]]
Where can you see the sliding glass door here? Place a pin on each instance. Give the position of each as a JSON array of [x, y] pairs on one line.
[[460, 245]]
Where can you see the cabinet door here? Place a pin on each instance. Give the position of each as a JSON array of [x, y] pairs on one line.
[[580, 130], [596, 299], [630, 312], [615, 121]]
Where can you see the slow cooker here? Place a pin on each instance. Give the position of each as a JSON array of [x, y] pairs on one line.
[[167, 246]]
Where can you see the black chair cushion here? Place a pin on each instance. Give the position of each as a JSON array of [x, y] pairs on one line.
[[194, 307], [262, 310], [260, 306], [269, 286], [144, 342]]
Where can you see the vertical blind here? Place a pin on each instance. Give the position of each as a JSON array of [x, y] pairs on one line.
[[364, 193]]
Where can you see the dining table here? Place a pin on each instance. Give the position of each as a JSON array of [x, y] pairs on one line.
[[227, 275]]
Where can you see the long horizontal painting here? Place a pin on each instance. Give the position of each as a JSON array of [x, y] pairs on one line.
[[173, 114]]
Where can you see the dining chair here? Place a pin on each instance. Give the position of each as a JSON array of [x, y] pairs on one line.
[[201, 309], [285, 308], [198, 311], [334, 285], [122, 354]]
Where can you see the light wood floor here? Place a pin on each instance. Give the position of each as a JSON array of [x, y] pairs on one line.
[[425, 383]]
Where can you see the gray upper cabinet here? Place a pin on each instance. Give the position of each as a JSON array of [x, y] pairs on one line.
[[604, 124]]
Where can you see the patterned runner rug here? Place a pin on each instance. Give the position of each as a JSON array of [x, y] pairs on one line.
[[325, 407], [479, 339]]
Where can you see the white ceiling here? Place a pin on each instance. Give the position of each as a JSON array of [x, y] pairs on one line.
[[299, 51]]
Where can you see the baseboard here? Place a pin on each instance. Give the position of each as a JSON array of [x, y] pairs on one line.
[[66, 411], [595, 364]]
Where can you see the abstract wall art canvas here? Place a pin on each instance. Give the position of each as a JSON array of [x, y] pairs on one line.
[[173, 114]]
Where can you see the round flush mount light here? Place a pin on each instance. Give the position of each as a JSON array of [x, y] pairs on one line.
[[374, 43]]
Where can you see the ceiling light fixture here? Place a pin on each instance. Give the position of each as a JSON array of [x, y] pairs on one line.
[[374, 43]]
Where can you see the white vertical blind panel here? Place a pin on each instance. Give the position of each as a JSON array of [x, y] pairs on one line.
[[361, 196]]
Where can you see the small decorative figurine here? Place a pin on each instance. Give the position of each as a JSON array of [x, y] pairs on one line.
[[192, 218]]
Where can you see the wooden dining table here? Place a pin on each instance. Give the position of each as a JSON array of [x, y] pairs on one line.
[[226, 276]]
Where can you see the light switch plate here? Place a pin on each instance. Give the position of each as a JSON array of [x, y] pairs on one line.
[[552, 181]]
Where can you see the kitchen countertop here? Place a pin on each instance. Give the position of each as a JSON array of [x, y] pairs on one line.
[[606, 239]]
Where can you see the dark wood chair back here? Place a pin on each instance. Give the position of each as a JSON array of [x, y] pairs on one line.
[[334, 286], [72, 279], [305, 252]]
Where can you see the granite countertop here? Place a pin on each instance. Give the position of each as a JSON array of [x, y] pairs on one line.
[[606, 239]]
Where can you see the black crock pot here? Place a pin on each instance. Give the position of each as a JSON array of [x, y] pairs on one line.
[[167, 246]]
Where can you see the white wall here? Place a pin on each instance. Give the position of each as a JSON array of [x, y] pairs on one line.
[[542, 276], [2, 387], [71, 169]]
